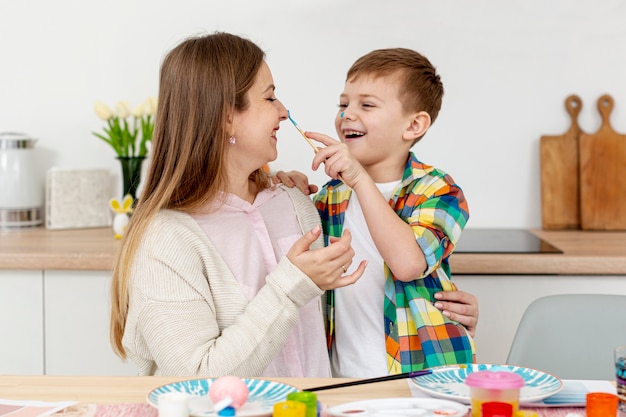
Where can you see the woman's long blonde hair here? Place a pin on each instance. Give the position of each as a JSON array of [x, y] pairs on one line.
[[202, 82]]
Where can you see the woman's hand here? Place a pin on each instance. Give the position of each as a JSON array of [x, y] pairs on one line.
[[459, 306], [327, 266]]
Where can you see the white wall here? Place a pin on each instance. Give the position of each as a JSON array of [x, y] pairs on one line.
[[507, 67]]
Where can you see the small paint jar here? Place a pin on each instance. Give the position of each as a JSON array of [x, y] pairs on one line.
[[173, 404], [307, 398], [601, 404], [289, 409], [490, 386]]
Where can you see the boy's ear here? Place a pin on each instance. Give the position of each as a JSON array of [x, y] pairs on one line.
[[420, 122]]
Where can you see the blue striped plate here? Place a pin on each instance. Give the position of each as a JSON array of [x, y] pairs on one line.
[[263, 394], [449, 382]]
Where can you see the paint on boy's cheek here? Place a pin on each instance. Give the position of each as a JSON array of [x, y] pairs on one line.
[[341, 115]]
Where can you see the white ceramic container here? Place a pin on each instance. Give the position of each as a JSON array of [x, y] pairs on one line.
[[21, 182]]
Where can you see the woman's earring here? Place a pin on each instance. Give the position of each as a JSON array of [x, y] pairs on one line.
[[232, 140]]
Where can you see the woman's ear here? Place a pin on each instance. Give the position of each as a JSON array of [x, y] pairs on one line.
[[230, 122], [419, 124]]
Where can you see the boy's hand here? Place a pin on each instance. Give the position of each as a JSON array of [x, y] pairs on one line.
[[296, 179], [327, 266], [459, 306], [338, 161]]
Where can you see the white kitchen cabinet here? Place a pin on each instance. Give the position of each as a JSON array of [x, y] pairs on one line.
[[21, 322], [77, 325], [503, 299]]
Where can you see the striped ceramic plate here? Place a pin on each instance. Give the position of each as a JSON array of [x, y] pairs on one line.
[[449, 382], [263, 394]]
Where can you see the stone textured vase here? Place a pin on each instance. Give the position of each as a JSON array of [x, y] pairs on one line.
[[131, 174]]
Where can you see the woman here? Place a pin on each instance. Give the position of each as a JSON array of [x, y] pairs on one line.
[[219, 272]]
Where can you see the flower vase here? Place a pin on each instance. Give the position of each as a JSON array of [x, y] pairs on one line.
[[131, 174]]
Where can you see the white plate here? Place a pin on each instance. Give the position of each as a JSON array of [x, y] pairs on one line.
[[399, 407], [449, 382], [263, 394]]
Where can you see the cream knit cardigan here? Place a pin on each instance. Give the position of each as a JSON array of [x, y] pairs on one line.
[[187, 315]]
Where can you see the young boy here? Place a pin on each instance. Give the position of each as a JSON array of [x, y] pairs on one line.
[[405, 217]]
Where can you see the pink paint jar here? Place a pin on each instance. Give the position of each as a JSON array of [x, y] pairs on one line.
[[489, 386]]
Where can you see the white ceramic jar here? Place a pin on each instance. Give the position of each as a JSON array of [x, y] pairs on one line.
[[21, 182]]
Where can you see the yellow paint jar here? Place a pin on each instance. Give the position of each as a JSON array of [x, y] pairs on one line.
[[490, 386]]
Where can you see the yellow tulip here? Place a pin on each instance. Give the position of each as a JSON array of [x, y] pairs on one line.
[[103, 111], [122, 109], [151, 106], [138, 112]]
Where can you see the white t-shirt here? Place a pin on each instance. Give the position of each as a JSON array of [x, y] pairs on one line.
[[359, 341]]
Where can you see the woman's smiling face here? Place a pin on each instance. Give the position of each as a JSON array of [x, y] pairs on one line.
[[255, 127]]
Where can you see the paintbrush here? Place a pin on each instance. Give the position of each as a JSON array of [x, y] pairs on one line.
[[405, 375], [309, 141]]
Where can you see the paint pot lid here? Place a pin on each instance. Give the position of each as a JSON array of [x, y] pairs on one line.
[[495, 380]]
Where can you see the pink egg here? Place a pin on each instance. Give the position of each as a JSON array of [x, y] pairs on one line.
[[229, 386]]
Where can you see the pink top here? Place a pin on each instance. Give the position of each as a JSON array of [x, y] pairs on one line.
[[252, 238]]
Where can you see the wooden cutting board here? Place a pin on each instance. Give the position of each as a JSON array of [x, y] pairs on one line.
[[603, 175], [559, 174]]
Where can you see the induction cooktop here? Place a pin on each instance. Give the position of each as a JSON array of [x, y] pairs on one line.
[[502, 241]]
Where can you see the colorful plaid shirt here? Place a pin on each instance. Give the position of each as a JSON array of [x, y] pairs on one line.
[[417, 335]]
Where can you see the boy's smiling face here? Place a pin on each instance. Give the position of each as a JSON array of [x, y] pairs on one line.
[[372, 121]]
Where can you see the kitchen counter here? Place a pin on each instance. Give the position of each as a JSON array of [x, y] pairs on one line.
[[584, 253], [43, 249]]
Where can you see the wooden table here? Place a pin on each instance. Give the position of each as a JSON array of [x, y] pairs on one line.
[[112, 391], [134, 389]]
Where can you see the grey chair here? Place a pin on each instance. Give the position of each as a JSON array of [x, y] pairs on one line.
[[571, 336]]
